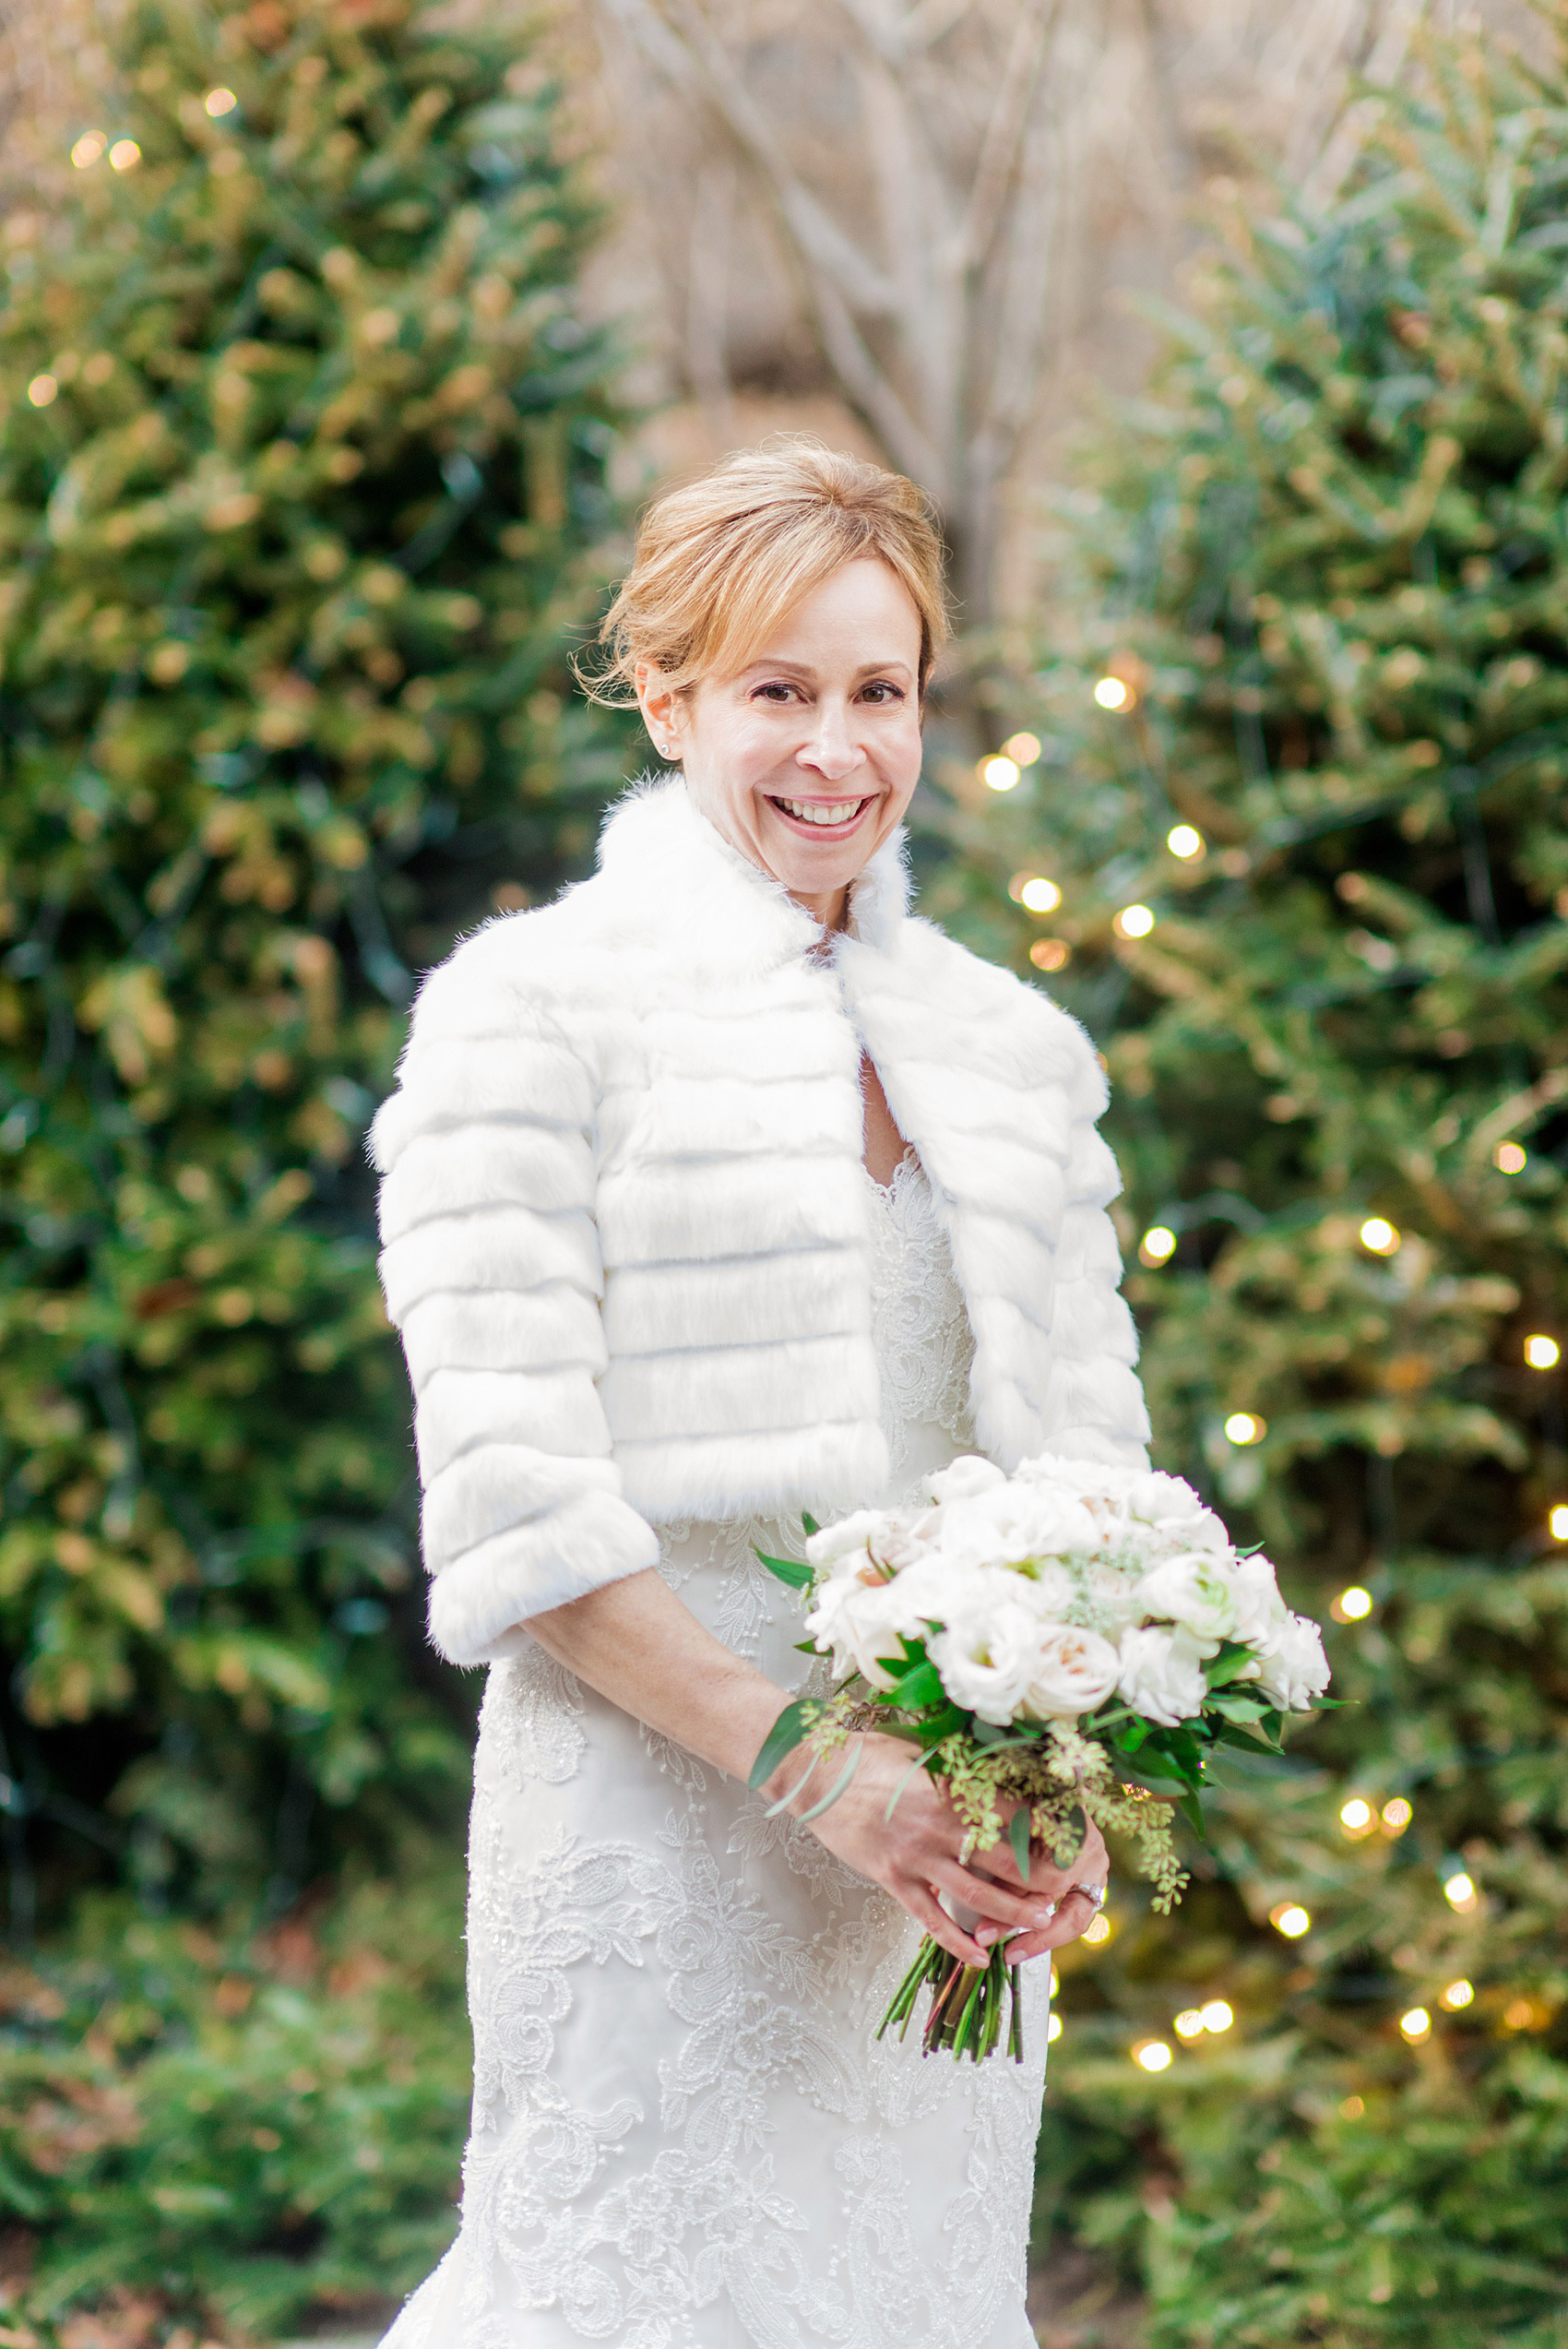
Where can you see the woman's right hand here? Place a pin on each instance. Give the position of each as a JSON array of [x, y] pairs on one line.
[[915, 1854]]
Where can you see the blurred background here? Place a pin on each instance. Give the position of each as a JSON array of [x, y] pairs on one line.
[[339, 347]]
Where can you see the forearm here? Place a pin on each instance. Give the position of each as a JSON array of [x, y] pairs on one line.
[[641, 1646]]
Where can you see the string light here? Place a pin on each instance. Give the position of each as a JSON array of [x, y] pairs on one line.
[[1050, 954], [124, 154], [1558, 1521], [1542, 1353], [42, 390], [1112, 694], [1352, 1605], [1459, 1891], [1245, 1427], [1154, 2055], [1510, 1158], [1291, 1919], [1217, 2014], [1157, 1244], [88, 149], [1038, 895], [1184, 840], [1134, 921], [1100, 1929], [1458, 1994], [1520, 2015], [220, 102], [1397, 1815], [1022, 749], [1379, 1236], [1357, 1817], [1416, 2023], [1188, 2024], [999, 774], [1352, 2108], [1053, 2028]]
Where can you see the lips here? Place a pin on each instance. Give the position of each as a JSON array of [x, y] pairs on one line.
[[829, 819]]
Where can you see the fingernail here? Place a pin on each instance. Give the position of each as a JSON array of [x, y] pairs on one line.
[[1043, 1917], [986, 1933]]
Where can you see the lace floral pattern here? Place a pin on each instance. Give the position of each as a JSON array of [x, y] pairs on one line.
[[685, 2135]]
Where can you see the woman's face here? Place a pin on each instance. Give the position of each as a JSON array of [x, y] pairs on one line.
[[807, 757]]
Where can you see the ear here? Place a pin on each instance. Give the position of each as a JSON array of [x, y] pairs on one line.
[[662, 709]]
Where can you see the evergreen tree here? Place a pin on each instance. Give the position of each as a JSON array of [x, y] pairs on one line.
[[1304, 730], [302, 448]]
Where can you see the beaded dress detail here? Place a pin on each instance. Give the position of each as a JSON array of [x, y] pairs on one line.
[[684, 2134]]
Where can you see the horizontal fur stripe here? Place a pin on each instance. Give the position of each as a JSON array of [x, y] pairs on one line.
[[556, 1409], [503, 1485], [437, 1174], [806, 1293], [553, 1327], [500, 1248], [737, 1390], [480, 1601]]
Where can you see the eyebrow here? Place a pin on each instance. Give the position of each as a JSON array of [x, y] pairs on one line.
[[803, 669]]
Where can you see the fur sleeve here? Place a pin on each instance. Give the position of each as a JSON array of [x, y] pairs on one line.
[[1093, 1407], [490, 1269]]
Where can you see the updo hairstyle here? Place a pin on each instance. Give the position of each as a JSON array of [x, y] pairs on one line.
[[720, 560]]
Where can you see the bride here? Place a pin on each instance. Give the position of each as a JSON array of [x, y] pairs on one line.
[[721, 1189]]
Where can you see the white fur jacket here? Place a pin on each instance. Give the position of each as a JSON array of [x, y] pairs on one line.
[[626, 1240]]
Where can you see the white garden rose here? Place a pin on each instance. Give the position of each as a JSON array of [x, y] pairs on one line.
[[851, 1532], [987, 1660], [1113, 1596], [962, 1478], [1195, 1590], [1012, 1525], [1162, 1674], [1075, 1670], [1047, 1591], [1293, 1668], [1171, 1505], [864, 1624], [1259, 1607]]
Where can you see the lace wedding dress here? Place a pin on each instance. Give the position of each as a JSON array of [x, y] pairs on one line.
[[685, 2135]]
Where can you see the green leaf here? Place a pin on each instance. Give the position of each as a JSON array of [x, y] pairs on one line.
[[794, 1571], [923, 1685], [1228, 1664], [782, 1739], [1192, 1811], [839, 1783], [809, 1521], [1018, 1836]]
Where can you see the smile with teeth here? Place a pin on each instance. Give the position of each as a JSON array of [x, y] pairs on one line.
[[835, 813]]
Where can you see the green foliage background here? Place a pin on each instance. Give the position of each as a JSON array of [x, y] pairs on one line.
[[1327, 560], [302, 498]]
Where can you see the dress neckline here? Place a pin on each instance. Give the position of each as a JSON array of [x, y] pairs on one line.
[[888, 1191]]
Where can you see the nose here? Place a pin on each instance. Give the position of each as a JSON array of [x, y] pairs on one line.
[[831, 750]]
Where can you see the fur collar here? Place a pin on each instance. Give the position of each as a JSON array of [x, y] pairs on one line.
[[680, 878]]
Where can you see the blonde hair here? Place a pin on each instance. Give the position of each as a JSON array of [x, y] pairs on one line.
[[720, 560]]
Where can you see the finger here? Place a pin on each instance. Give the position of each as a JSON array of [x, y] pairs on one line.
[[1072, 1920], [1025, 1945], [928, 1911], [1002, 1910]]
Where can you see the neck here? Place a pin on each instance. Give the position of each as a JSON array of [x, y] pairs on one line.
[[831, 908]]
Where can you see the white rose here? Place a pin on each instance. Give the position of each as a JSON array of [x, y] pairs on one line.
[[852, 1532], [1161, 1674], [1012, 1525], [988, 1659], [864, 1625], [1047, 1591], [1293, 1668], [1113, 1596], [1259, 1607], [962, 1478], [1074, 1671], [1191, 1590]]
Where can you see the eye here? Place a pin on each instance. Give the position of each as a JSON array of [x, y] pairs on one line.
[[776, 691], [881, 691]]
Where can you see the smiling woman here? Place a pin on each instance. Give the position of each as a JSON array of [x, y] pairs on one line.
[[719, 1191]]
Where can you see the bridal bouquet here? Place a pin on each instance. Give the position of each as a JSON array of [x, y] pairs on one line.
[[1071, 1640]]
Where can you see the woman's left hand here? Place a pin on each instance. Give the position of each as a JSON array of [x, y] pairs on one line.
[[1070, 1888]]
